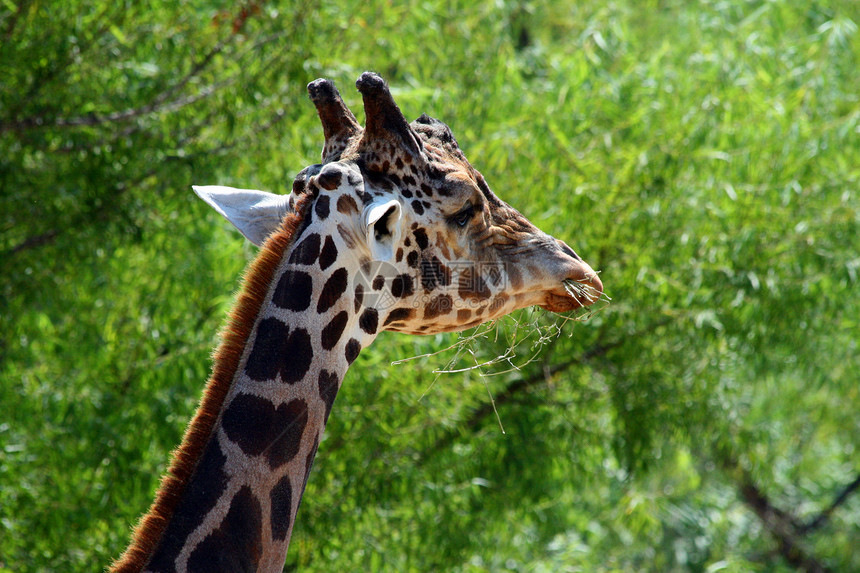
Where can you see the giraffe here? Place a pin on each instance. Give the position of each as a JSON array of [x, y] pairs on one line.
[[393, 230]]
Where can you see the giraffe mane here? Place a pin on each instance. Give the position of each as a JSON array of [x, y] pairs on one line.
[[234, 337]]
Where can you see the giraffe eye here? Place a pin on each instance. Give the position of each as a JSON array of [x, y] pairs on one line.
[[463, 216]]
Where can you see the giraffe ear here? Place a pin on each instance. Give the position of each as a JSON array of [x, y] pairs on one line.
[[382, 227], [257, 214]]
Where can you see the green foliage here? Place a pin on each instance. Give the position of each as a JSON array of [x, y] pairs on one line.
[[705, 156]]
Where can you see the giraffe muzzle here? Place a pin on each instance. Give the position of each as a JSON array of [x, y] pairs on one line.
[[579, 285]]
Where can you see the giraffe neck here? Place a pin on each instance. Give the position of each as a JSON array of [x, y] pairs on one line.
[[235, 510]]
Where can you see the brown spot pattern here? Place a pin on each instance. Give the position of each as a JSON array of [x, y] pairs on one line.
[[237, 544], [328, 255], [369, 320], [353, 347], [333, 330], [256, 426], [347, 205], [281, 498], [307, 251], [334, 287], [293, 291], [438, 305]]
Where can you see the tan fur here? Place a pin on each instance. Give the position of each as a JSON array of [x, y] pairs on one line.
[[234, 337]]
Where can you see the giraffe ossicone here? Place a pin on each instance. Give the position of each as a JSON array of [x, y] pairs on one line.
[[393, 230]]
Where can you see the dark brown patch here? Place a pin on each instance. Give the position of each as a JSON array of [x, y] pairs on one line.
[[256, 426], [288, 443], [328, 254], [202, 493], [412, 259], [299, 354], [282, 505], [329, 179], [328, 386], [402, 286], [347, 205], [322, 207], [434, 273], [438, 305], [359, 297], [334, 287], [309, 461], [353, 347], [237, 544], [399, 255], [333, 330], [463, 315], [399, 314], [294, 290], [421, 238], [277, 349], [307, 251], [378, 282], [369, 320], [417, 207]]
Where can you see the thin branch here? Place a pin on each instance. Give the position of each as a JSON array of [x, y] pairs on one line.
[[781, 525], [516, 388], [162, 102], [824, 516], [50, 236], [13, 20], [89, 120], [34, 241], [41, 80]]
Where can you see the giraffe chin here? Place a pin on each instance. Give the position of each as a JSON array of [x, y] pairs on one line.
[[562, 302]]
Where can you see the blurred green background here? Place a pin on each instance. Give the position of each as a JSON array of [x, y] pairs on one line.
[[703, 155]]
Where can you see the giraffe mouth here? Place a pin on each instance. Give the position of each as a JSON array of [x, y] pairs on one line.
[[574, 294]]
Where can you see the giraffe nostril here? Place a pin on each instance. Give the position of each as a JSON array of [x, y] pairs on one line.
[[568, 251]]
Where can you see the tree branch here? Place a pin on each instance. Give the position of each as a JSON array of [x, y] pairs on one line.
[[162, 102], [822, 517], [34, 241], [12, 22], [51, 235], [781, 526], [513, 390]]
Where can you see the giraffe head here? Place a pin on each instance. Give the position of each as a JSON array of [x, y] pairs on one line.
[[429, 245]]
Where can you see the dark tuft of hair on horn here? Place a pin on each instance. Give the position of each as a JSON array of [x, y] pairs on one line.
[[384, 119], [338, 122]]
